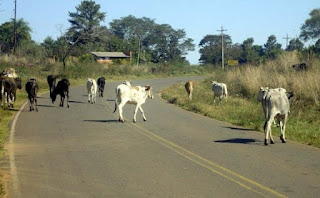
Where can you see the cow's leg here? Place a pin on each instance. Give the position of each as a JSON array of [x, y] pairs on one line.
[[214, 99], [142, 112], [282, 129], [62, 101], [36, 102], [120, 106], [267, 130], [89, 97], [135, 114], [67, 94]]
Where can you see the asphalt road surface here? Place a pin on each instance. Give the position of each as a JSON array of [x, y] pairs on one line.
[[83, 151]]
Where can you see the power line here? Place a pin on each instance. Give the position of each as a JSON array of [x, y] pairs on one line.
[[222, 52]]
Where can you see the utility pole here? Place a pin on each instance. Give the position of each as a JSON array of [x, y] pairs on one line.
[[287, 38], [222, 52], [15, 28]]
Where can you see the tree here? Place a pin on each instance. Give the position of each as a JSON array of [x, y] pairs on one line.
[[210, 48], [272, 49], [85, 23], [49, 47], [250, 52], [166, 44], [295, 44], [311, 27], [7, 36], [157, 42], [133, 31]]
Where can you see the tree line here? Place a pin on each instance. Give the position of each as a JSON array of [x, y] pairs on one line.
[[148, 41]]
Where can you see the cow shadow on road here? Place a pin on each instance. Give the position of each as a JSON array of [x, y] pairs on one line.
[[104, 121], [239, 141], [73, 101]]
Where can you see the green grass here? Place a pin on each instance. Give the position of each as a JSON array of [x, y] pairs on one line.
[[302, 126]]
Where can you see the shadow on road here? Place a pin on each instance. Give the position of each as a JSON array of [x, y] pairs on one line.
[[110, 100], [238, 141], [106, 121], [239, 129], [40, 105], [73, 101]]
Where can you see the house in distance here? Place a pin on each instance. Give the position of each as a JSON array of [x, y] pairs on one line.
[[109, 57]]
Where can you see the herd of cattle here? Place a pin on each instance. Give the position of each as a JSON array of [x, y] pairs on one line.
[[275, 102]]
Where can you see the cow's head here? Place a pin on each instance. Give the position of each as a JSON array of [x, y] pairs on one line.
[[262, 93], [53, 96], [148, 89]]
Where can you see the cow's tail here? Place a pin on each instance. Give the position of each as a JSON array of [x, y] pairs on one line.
[[116, 100], [225, 91]]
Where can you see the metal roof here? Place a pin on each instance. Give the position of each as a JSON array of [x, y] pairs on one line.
[[110, 54]]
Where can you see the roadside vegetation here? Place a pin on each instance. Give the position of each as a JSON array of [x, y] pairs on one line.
[[242, 108]]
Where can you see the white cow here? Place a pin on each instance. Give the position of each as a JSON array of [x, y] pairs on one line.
[[92, 88], [132, 95], [276, 105], [219, 90]]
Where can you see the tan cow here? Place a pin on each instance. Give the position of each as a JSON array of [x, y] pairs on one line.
[[189, 88]]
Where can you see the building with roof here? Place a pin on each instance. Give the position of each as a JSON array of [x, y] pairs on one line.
[[108, 57]]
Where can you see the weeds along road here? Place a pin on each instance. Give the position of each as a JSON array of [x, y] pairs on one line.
[[84, 151]]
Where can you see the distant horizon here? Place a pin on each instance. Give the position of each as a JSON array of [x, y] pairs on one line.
[[244, 19]]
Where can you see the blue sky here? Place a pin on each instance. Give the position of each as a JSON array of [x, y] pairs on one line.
[[242, 18]]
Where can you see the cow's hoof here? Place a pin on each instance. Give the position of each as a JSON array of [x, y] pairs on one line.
[[282, 139], [144, 119], [134, 121], [271, 142], [265, 142]]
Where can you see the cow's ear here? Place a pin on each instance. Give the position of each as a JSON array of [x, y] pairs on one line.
[[289, 95], [147, 88]]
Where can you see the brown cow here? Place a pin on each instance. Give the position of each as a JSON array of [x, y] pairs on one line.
[[189, 88]]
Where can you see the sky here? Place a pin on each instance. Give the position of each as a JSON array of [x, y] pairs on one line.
[[241, 18]]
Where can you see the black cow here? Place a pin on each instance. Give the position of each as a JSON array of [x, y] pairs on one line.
[[51, 79], [300, 66], [32, 90], [10, 88], [101, 82], [62, 89]]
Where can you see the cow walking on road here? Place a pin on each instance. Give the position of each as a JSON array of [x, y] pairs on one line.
[[62, 89], [276, 105], [132, 95], [32, 90], [101, 83], [92, 90]]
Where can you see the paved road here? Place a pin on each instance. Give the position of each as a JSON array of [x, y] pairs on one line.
[[84, 152]]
